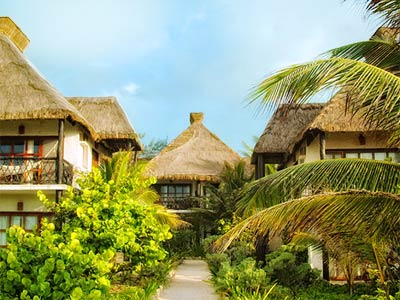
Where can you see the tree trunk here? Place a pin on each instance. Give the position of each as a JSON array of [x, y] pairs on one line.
[[262, 249]]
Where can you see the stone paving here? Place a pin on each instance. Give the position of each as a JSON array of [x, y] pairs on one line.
[[190, 283]]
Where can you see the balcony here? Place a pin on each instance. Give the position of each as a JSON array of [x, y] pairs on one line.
[[33, 170], [181, 203]]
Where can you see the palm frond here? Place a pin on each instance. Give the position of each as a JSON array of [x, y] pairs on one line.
[[319, 176], [387, 10], [373, 91], [383, 52], [164, 217], [372, 215]]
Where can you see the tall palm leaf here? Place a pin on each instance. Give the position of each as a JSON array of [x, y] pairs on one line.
[[366, 70], [387, 10], [317, 177], [125, 173], [373, 215]]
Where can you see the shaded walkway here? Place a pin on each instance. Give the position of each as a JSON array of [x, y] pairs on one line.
[[189, 283]]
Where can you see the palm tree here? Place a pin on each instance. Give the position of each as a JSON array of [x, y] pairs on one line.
[[337, 199], [122, 169], [221, 201]]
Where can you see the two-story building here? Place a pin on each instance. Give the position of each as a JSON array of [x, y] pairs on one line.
[[311, 132], [45, 138]]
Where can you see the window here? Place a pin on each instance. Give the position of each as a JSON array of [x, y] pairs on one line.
[[28, 221], [173, 195], [332, 155], [86, 156], [175, 191], [390, 155], [13, 151]]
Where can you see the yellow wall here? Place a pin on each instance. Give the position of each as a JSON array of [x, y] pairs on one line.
[[344, 141], [9, 200], [312, 151], [351, 141], [32, 128]]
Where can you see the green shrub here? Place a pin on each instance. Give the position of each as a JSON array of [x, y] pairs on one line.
[[245, 275], [113, 211], [284, 267], [184, 244], [215, 262], [46, 266], [114, 215], [133, 292]]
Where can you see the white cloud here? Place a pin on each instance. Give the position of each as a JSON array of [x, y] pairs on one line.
[[131, 88], [124, 93]]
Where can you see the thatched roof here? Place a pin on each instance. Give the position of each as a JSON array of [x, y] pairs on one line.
[[387, 33], [196, 154], [335, 117], [26, 95], [286, 127], [107, 117], [14, 33]]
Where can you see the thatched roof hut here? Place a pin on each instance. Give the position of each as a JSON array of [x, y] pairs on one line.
[[24, 93], [108, 119], [289, 125], [285, 129], [195, 155], [336, 117]]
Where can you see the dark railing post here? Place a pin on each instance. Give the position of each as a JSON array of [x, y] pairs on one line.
[[260, 167], [60, 152], [325, 255], [322, 153]]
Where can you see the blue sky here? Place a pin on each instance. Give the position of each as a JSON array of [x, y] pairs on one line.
[[166, 58]]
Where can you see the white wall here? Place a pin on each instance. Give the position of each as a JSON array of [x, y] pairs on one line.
[[315, 258], [72, 150]]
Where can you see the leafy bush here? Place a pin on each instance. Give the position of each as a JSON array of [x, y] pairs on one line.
[[244, 275], [113, 211], [283, 266], [43, 265], [215, 262], [183, 244], [112, 215], [322, 289], [243, 294], [133, 292]]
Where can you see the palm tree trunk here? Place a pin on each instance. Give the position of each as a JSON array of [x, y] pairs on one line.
[[262, 248], [325, 264]]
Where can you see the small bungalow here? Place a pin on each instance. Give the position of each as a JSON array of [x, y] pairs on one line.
[[44, 138], [195, 158]]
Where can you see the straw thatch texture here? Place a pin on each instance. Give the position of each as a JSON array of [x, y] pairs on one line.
[[334, 117], [14, 33], [386, 33], [107, 117], [195, 155], [25, 94], [286, 127]]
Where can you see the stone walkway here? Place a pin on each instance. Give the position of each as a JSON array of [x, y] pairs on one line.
[[189, 283]]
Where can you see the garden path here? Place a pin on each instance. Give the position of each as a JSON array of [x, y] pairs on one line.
[[189, 283]]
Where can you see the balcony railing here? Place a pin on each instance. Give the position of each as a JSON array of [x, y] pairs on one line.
[[33, 170], [181, 203]]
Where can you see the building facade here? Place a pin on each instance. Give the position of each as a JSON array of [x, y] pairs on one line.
[[312, 132], [46, 140], [189, 163]]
